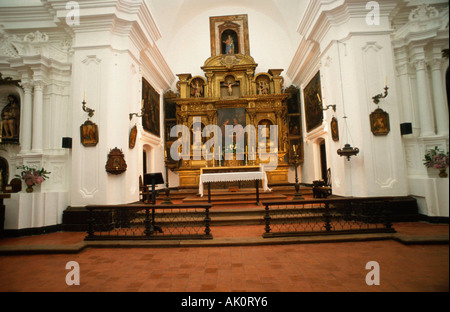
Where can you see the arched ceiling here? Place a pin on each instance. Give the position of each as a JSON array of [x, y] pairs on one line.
[[175, 17], [172, 15]]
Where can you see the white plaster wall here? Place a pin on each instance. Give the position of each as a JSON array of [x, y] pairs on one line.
[[270, 44], [110, 80], [34, 210]]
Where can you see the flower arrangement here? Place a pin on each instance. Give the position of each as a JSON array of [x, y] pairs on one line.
[[231, 149], [436, 159], [32, 176]]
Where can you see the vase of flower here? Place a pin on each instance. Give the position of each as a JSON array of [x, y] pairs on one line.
[[32, 176], [436, 159]]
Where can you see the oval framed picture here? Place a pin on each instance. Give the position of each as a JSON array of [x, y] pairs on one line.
[[132, 138], [334, 129]]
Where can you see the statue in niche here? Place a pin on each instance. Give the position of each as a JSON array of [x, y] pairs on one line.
[[196, 89], [229, 83], [229, 42], [10, 123], [263, 87]]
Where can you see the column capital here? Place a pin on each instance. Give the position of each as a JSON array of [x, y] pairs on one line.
[[435, 63], [402, 69], [27, 85], [420, 64], [38, 84]]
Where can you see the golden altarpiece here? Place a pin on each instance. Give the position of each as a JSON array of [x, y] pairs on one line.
[[231, 86]]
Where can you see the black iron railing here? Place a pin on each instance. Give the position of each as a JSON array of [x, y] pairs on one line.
[[146, 221], [328, 216]]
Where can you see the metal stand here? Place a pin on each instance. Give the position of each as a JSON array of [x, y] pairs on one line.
[[167, 200], [297, 195], [154, 178]]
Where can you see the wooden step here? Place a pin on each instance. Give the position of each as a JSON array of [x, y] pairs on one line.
[[218, 199]]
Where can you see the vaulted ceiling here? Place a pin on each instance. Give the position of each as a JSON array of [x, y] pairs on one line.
[[184, 27]]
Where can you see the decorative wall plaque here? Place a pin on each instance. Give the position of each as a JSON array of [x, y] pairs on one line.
[[379, 122], [89, 133], [116, 162]]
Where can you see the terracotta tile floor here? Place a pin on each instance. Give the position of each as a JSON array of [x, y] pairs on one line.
[[313, 267], [324, 267]]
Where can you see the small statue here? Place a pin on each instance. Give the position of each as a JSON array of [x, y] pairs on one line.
[[197, 90], [263, 87], [230, 85], [10, 119]]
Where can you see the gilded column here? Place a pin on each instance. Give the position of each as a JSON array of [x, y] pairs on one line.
[[210, 76], [183, 83]]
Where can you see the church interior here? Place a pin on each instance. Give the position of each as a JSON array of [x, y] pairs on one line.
[[198, 123]]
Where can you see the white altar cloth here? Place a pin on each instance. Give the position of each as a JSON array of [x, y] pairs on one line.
[[232, 177]]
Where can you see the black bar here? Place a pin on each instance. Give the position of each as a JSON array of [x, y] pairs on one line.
[[257, 192], [207, 221], [148, 229], [209, 192], [90, 223], [153, 192], [267, 220]]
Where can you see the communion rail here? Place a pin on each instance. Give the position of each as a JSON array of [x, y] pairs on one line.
[[328, 216], [146, 221]]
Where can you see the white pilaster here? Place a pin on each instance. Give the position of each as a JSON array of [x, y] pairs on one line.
[[423, 98], [440, 106], [27, 113], [38, 115]]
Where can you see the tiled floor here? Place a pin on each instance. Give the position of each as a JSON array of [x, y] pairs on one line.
[[277, 268], [312, 267]]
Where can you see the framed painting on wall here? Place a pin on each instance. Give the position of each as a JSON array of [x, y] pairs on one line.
[[293, 101], [89, 133], [313, 103], [379, 122], [150, 102]]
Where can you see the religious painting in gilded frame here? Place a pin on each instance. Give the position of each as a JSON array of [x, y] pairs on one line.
[[379, 122], [296, 148], [334, 129], [313, 103], [89, 133], [231, 117], [229, 35], [150, 102], [294, 126]]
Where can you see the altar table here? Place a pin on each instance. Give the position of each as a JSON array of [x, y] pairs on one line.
[[232, 177]]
